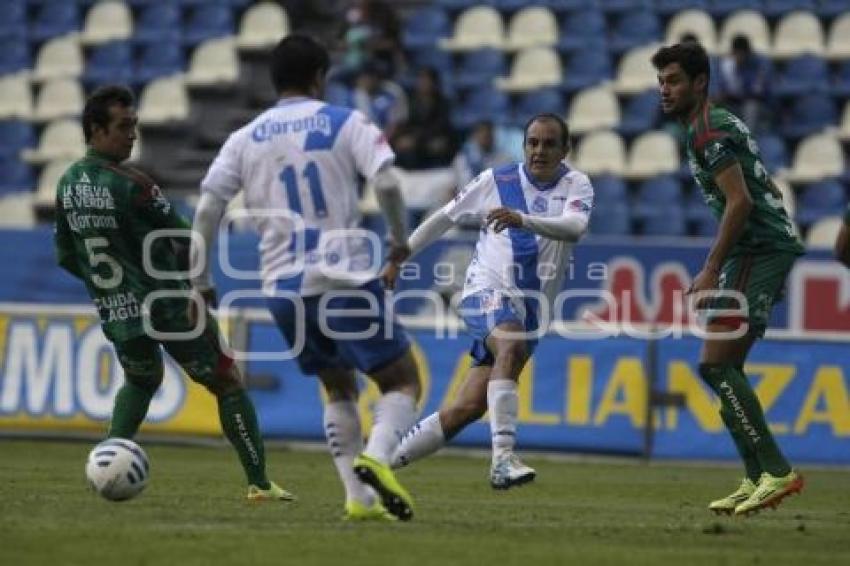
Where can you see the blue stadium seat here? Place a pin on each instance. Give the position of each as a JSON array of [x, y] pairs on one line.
[[437, 59], [15, 175], [608, 189], [641, 113], [158, 60], [634, 29], [698, 214], [840, 85], [820, 199], [774, 154], [425, 26], [535, 102], [583, 29], [620, 6], [830, 8], [481, 104], [457, 5], [610, 219], [671, 7], [14, 22], [477, 68], [564, 6], [809, 114], [158, 22], [586, 68], [109, 63], [722, 8], [54, 18], [14, 55], [15, 135], [207, 21], [801, 75], [778, 8], [658, 207], [665, 220]]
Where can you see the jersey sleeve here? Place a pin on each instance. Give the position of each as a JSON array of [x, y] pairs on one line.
[[369, 146], [471, 199], [580, 201], [154, 209], [224, 177], [718, 148]]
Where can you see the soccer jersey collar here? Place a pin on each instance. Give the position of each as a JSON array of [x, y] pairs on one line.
[[292, 100], [562, 170]]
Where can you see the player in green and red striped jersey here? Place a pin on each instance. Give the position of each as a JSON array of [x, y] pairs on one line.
[[104, 213], [752, 254]]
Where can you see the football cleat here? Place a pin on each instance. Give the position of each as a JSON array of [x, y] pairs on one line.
[[356, 511], [508, 471], [273, 493], [380, 477], [770, 492], [727, 505]]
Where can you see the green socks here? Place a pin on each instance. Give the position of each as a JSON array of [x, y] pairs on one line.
[[741, 407], [129, 410], [240, 426]]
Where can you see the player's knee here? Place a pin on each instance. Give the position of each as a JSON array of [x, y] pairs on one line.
[[511, 356], [146, 382], [466, 411], [226, 379]]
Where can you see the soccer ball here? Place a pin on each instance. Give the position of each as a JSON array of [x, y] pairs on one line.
[[117, 469]]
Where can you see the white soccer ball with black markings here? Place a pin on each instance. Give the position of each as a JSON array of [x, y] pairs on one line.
[[118, 469]]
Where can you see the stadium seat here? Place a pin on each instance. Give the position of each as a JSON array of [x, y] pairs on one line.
[[440, 61], [697, 22], [457, 5], [61, 139], [749, 23], [14, 55], [158, 22], [789, 199], [641, 113], [107, 21], [15, 136], [778, 8], [655, 193], [109, 63], [15, 175], [601, 152], [583, 29], [798, 33], [213, 62], [838, 40], [45, 193], [535, 102], [723, 8], [483, 103], [634, 29], [665, 220], [831, 8], [840, 84], [698, 215], [164, 100], [15, 97], [54, 18], [635, 72], [651, 154], [823, 233], [610, 219], [586, 68], [208, 21], [801, 75], [844, 126], [672, 7], [59, 98], [16, 211], [773, 152], [14, 22], [817, 157], [621, 6], [158, 60], [425, 27], [262, 26], [809, 114], [59, 57], [594, 108], [820, 199], [608, 189], [532, 27], [476, 27], [532, 68], [478, 67]]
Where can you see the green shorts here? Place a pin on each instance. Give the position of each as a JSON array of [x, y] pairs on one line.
[[758, 277], [201, 358]]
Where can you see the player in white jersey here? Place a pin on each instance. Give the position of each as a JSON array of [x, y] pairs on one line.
[[531, 213], [298, 165]]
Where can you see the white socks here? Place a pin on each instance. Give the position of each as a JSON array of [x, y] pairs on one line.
[[502, 402], [425, 438], [345, 442], [395, 413]]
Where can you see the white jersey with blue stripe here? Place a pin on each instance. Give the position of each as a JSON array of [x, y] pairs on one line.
[[298, 165], [517, 261]]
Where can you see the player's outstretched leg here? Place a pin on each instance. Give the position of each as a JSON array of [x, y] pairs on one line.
[[770, 492], [506, 470], [394, 496]]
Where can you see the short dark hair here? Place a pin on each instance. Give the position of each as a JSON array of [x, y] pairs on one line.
[[565, 129], [295, 61], [691, 56], [96, 110]]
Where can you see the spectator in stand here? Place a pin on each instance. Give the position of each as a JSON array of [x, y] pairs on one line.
[[478, 154], [744, 82], [373, 34], [426, 139], [383, 101]]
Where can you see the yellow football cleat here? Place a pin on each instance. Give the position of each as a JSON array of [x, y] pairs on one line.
[[356, 511], [393, 496], [770, 491], [727, 505], [273, 493]]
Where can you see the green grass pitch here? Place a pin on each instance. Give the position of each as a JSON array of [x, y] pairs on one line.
[[582, 512]]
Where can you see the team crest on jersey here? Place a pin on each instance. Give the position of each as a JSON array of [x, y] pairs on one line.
[[540, 205], [84, 179], [579, 206]]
